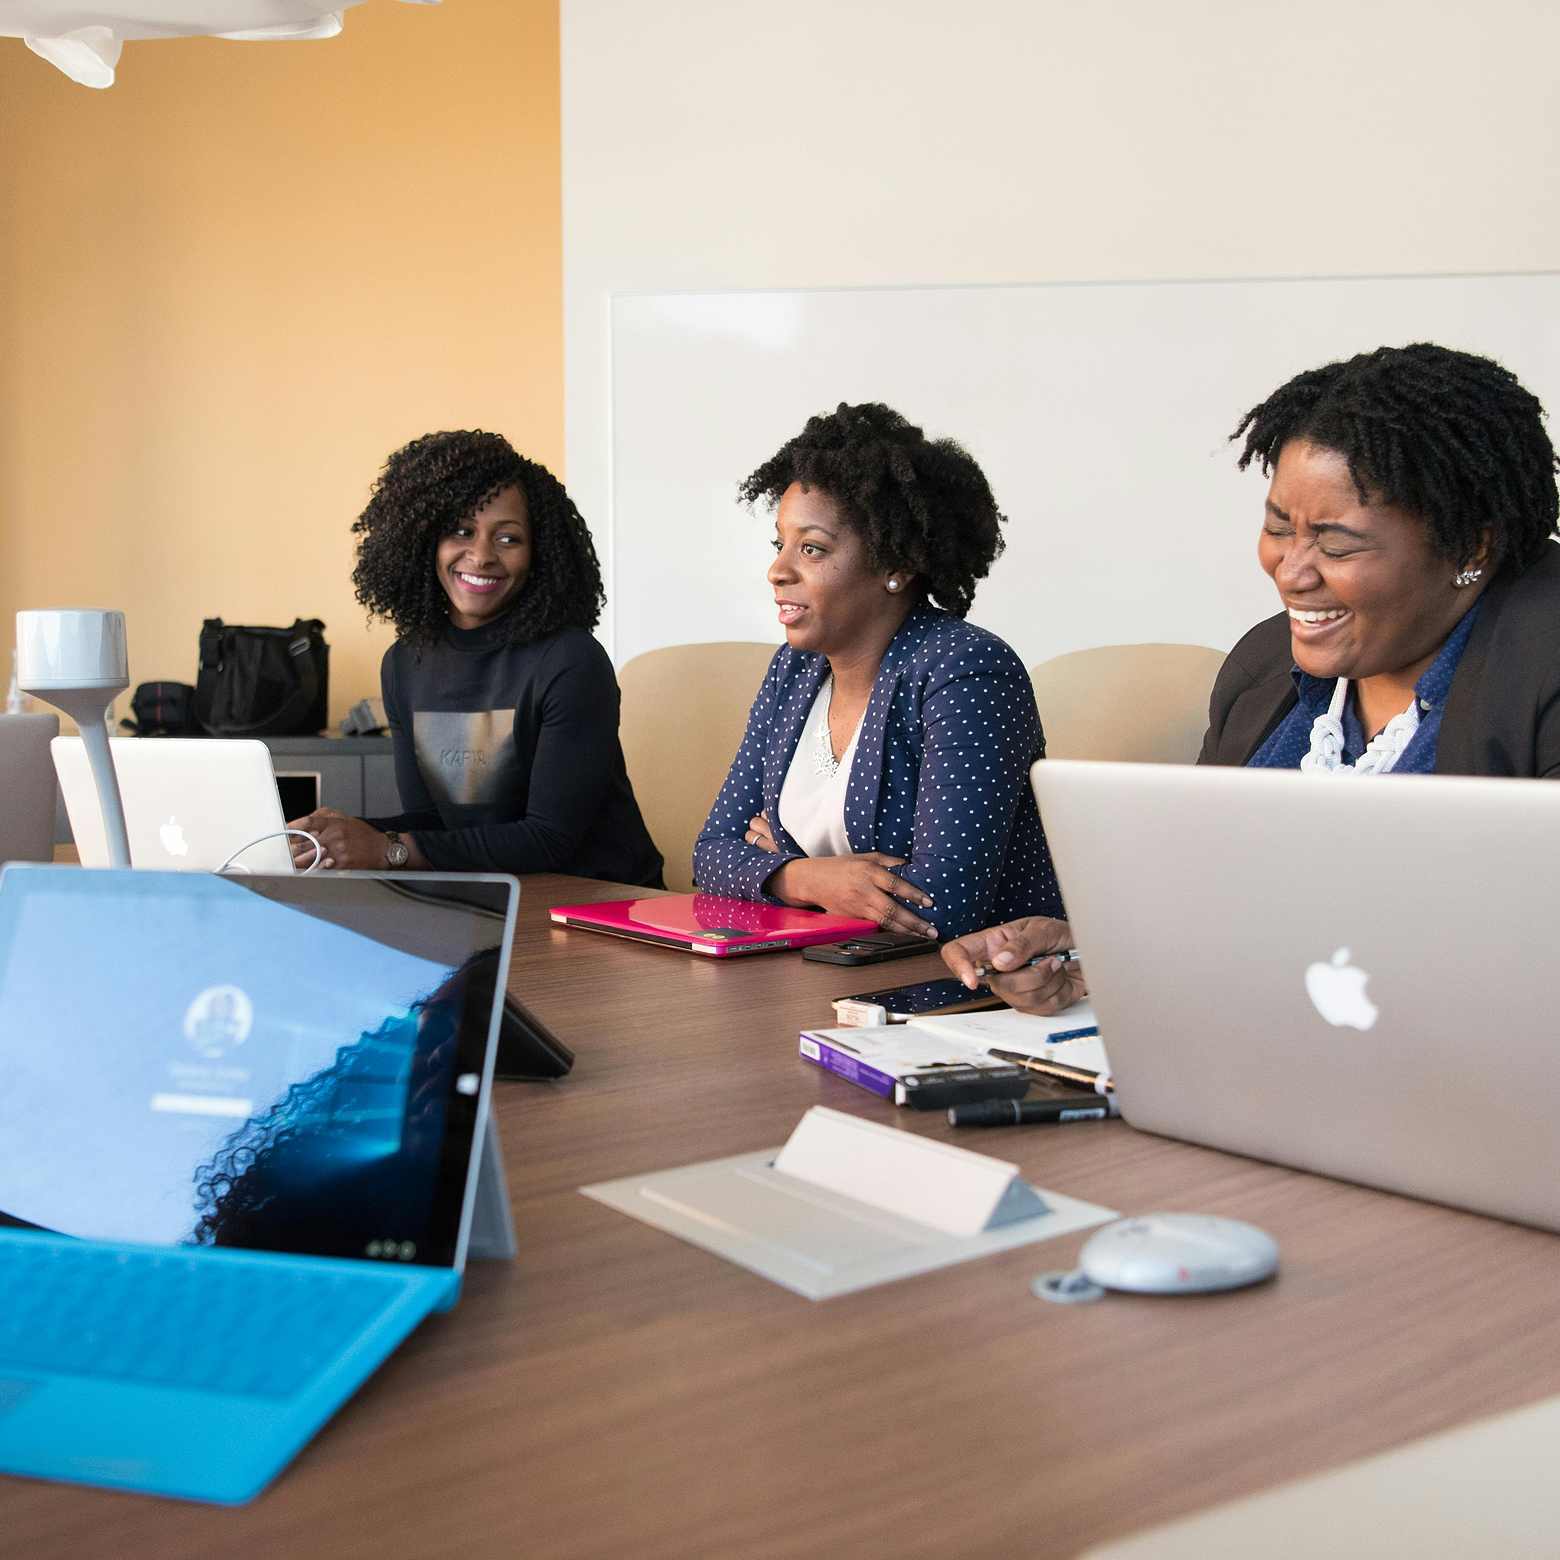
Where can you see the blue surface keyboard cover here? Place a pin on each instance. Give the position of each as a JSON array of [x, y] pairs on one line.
[[171, 1318]]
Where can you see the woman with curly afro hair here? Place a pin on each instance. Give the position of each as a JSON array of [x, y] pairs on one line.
[[502, 706], [884, 773]]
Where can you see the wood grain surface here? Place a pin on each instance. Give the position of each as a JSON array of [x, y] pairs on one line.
[[616, 1392]]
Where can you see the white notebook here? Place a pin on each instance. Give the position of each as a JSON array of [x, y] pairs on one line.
[[1004, 1029]]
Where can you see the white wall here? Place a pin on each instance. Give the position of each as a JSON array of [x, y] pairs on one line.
[[727, 144], [1110, 539]]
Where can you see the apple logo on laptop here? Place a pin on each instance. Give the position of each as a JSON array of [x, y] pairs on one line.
[[1337, 992], [172, 836]]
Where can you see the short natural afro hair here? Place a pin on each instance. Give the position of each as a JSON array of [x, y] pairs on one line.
[[1448, 436], [430, 486], [920, 504]]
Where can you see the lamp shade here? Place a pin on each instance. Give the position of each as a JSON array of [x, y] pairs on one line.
[[71, 648], [84, 37]]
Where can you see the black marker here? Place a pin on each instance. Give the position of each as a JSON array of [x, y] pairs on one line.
[[1013, 1113]]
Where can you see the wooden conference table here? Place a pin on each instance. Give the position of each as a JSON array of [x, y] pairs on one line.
[[617, 1392]]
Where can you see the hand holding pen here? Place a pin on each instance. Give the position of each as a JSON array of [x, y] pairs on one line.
[[1030, 963], [1064, 956]]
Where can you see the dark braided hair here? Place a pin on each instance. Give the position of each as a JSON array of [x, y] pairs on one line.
[[918, 503], [1448, 436], [433, 484]]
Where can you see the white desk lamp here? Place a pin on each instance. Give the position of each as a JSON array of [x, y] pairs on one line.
[[77, 661]]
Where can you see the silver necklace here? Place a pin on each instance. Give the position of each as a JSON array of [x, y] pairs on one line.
[[824, 761]]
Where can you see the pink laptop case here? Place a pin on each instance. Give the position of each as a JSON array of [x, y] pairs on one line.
[[711, 924]]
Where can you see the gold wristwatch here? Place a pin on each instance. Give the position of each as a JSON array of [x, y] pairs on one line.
[[397, 851]]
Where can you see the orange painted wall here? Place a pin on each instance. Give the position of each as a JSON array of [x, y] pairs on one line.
[[233, 282]]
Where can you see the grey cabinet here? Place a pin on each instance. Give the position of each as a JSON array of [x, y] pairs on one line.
[[381, 799], [354, 775]]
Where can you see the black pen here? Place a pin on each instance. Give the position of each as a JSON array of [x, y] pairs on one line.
[[1013, 1113], [1062, 956]]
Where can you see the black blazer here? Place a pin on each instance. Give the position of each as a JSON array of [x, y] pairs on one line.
[[1502, 715]]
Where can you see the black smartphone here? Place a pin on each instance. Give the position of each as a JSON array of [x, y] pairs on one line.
[[872, 949], [928, 996]]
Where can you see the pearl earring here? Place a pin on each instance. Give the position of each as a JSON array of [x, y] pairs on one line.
[[1466, 577], [893, 584]]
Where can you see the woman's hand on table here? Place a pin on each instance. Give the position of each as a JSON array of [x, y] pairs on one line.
[[347, 842], [861, 886]]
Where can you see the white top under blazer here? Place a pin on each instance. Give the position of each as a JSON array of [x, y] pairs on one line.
[[812, 799]]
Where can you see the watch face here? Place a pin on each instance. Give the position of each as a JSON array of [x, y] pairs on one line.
[[396, 853]]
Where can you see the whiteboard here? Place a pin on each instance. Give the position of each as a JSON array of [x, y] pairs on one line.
[[1100, 413]]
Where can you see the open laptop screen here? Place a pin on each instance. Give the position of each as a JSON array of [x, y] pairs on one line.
[[283, 1063]]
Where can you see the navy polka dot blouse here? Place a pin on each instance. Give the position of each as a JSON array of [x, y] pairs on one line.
[[940, 777]]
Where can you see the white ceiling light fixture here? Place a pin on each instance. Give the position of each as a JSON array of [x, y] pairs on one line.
[[85, 39]]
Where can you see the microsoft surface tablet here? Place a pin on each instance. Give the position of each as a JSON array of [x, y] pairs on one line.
[[217, 1096]]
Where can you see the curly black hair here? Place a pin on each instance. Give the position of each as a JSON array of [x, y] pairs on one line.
[[1449, 436], [919, 503], [432, 484]]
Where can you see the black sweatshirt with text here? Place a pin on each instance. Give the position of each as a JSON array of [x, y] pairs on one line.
[[507, 757]]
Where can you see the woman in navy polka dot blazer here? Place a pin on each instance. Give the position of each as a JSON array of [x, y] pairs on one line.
[[884, 772]]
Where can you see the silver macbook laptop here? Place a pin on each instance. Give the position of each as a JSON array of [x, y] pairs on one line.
[[190, 803], [1352, 976], [27, 789]]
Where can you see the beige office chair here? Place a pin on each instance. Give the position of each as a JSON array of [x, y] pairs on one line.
[[1141, 703], [684, 711], [28, 790]]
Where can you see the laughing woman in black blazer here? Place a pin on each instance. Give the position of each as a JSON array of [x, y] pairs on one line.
[[1409, 529], [502, 706]]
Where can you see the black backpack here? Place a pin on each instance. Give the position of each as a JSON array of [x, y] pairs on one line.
[[262, 682], [162, 709]]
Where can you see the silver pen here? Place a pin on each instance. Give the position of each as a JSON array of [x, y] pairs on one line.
[[1065, 956]]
